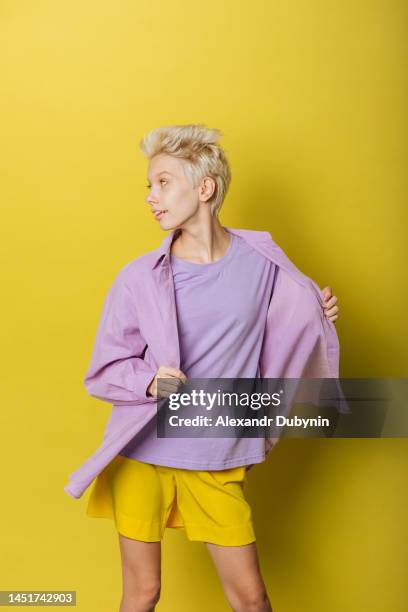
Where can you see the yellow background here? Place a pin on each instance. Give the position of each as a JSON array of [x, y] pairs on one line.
[[312, 98]]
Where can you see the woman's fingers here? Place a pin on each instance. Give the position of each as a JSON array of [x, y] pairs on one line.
[[332, 311], [326, 293], [167, 386], [168, 371], [331, 302], [170, 380]]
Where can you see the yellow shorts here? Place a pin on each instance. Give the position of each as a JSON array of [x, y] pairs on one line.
[[143, 499]]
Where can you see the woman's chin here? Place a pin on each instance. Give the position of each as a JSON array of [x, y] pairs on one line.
[[166, 224]]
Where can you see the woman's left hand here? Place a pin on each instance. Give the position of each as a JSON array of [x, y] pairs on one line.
[[331, 310]]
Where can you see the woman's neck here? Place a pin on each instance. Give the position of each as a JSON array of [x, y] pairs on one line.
[[202, 245]]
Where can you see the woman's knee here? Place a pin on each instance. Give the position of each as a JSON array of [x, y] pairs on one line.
[[141, 596], [253, 598]]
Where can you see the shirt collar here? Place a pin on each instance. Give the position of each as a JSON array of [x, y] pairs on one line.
[[162, 253]]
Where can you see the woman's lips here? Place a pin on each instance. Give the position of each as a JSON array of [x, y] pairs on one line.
[[159, 214]]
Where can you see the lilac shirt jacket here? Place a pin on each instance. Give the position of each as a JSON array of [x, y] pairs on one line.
[[138, 332]]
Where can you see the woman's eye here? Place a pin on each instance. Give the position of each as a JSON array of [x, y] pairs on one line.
[[161, 181]]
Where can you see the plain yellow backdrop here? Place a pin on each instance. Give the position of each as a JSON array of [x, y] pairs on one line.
[[312, 99]]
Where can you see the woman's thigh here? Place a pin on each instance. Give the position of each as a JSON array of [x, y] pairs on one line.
[[141, 566], [240, 574]]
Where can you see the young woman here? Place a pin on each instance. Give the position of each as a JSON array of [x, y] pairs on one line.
[[208, 312]]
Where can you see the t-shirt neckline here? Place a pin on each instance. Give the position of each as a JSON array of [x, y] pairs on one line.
[[204, 266]]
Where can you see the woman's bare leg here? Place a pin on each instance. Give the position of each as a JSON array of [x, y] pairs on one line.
[[240, 574], [141, 574]]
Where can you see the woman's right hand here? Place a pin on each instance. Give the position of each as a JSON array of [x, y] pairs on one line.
[[173, 379]]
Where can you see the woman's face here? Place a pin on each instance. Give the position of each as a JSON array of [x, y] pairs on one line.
[[171, 191]]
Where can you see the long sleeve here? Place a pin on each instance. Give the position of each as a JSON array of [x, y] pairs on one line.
[[118, 373]]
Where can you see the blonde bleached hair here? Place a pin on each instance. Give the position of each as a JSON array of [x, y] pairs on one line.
[[198, 147]]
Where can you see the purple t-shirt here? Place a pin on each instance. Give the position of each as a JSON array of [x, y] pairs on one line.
[[221, 314]]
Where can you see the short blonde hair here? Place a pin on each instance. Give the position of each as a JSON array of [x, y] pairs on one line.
[[198, 147]]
